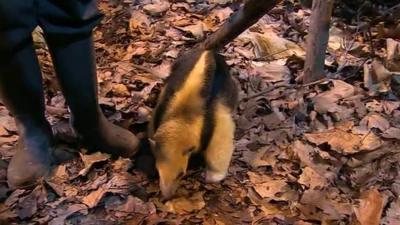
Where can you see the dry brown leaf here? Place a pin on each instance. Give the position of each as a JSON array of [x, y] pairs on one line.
[[185, 205], [157, 9], [270, 45], [120, 90], [393, 53], [3, 131], [138, 19], [345, 142], [28, 205], [333, 206], [197, 30], [89, 160], [272, 71], [119, 183], [327, 101], [94, 197], [122, 164], [222, 2], [307, 154], [371, 142], [375, 121], [135, 205], [369, 211], [312, 179], [7, 121], [340, 90], [377, 77], [271, 188], [216, 17], [392, 214], [336, 38], [7, 140], [62, 215], [265, 156], [392, 132]]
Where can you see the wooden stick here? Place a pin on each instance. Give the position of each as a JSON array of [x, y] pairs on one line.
[[317, 40], [247, 16]]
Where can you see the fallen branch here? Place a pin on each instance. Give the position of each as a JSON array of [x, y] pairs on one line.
[[247, 16]]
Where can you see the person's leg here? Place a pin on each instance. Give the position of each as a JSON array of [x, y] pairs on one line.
[[21, 92], [68, 30]]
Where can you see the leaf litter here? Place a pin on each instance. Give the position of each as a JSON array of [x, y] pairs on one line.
[[324, 153]]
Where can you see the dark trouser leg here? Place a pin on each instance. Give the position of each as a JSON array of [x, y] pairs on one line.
[[71, 47], [21, 92]]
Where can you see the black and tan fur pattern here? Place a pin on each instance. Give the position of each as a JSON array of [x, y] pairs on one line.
[[194, 114]]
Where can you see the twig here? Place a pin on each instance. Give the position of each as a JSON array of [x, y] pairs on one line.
[[264, 92], [152, 72]]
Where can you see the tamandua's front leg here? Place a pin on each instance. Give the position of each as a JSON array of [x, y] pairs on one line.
[[219, 152]]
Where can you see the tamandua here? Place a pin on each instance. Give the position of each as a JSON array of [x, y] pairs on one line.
[[194, 114], [195, 108]]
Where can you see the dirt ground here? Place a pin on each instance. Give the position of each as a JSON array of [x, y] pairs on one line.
[[322, 153]]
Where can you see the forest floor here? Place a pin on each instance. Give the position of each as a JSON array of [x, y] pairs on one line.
[[322, 153]]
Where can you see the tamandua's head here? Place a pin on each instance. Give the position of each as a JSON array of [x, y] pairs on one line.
[[172, 152]]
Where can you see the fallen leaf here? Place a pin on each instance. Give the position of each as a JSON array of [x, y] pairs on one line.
[[119, 183], [392, 132], [308, 156], [185, 205], [6, 215], [312, 179], [7, 121], [7, 140], [120, 90], [138, 19], [369, 211], [156, 9], [265, 156], [272, 71], [392, 57], [90, 160], [222, 2], [62, 215], [271, 188], [3, 131], [332, 205], [336, 38], [135, 205], [122, 164], [392, 214], [345, 142], [270, 45], [28, 205], [197, 30], [94, 197], [375, 121]]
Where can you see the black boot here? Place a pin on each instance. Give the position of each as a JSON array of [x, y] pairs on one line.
[[74, 62], [21, 92]]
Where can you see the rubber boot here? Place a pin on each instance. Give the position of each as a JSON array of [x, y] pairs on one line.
[[74, 62], [21, 92]]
